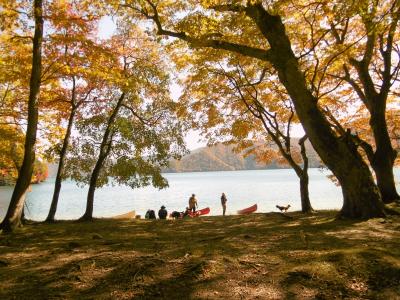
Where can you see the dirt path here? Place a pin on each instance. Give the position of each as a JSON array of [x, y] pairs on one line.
[[260, 256]]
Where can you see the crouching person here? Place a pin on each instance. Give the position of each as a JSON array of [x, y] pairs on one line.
[[150, 214], [176, 215]]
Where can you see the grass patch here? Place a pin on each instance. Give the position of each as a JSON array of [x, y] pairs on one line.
[[261, 256]]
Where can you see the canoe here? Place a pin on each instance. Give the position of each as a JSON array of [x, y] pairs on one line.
[[200, 212], [248, 210], [128, 215]]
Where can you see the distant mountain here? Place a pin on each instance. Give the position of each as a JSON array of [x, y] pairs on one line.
[[222, 158]]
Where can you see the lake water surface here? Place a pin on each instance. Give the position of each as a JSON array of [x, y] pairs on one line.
[[243, 188]]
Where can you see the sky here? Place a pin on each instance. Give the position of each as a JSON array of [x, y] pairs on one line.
[[106, 27], [193, 139]]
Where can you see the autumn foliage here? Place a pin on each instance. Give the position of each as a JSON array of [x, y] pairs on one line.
[[250, 72]]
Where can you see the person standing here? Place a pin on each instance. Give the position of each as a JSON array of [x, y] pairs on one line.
[[162, 213], [223, 203], [192, 203]]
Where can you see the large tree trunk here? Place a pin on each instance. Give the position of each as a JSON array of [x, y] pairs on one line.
[[355, 206], [105, 149], [13, 216], [384, 155], [375, 96], [382, 160], [361, 197], [63, 152]]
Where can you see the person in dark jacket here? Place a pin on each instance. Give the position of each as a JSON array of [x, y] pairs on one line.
[[186, 212], [147, 215], [150, 214], [162, 213], [223, 203], [176, 215]]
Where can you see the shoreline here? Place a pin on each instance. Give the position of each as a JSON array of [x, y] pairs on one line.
[[116, 217]]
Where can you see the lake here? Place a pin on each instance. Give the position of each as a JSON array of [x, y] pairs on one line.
[[243, 188]]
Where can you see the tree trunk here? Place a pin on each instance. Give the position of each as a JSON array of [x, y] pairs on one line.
[[13, 216], [384, 155], [304, 179], [88, 215], [355, 206], [361, 197], [63, 152], [105, 149], [305, 198], [285, 151], [383, 169], [382, 160], [302, 173]]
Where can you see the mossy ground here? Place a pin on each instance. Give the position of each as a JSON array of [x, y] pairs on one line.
[[258, 256]]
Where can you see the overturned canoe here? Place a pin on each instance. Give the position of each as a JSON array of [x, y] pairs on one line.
[[248, 210], [200, 212], [128, 215]]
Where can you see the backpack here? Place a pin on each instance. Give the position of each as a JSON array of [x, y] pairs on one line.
[[152, 214]]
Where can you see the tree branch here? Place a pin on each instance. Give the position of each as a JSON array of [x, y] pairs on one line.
[[204, 41]]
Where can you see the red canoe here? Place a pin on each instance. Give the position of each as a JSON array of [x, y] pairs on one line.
[[248, 210], [200, 212]]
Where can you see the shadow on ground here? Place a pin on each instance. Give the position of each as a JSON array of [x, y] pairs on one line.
[[259, 256]]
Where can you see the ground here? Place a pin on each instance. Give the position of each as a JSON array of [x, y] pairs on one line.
[[258, 256]]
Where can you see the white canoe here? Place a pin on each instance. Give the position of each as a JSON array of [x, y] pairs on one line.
[[128, 215]]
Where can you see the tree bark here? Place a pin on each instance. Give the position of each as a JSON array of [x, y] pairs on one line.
[[63, 152], [384, 156], [88, 215], [304, 179], [302, 173], [13, 216], [382, 160], [105, 149], [305, 197], [361, 197]]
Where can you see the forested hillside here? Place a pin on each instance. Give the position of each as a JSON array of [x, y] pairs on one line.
[[222, 158]]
